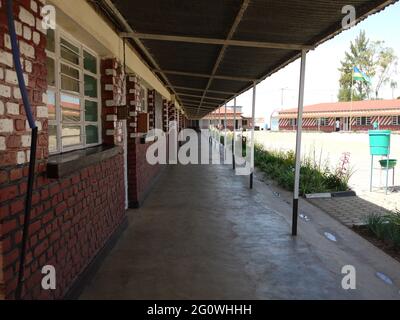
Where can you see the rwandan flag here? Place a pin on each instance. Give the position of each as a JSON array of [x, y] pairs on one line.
[[359, 75]]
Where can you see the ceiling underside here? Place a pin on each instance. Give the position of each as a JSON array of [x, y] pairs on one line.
[[205, 71]]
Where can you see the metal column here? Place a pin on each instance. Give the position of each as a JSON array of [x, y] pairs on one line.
[[234, 136], [298, 144], [252, 135], [225, 142]]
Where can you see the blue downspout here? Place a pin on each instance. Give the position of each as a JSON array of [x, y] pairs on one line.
[[32, 161]]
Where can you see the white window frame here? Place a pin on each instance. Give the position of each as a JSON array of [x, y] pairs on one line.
[[58, 60], [359, 121], [396, 120], [324, 122]]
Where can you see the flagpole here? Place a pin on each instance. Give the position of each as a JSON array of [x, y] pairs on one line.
[[351, 107]]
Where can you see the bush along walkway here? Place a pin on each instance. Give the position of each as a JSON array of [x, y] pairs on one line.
[[383, 231], [316, 177]]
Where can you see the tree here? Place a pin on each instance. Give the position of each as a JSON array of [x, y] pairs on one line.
[[361, 54], [393, 86], [386, 66]]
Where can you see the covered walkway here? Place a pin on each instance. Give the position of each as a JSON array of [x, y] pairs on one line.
[[202, 234]]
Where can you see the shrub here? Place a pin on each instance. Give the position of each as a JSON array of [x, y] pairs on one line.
[[314, 177], [386, 228]]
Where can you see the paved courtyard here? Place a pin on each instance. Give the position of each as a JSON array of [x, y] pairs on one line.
[[351, 211], [203, 234]]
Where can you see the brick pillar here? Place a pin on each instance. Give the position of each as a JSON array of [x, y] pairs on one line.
[[171, 112], [151, 108], [113, 96], [132, 98], [133, 101], [15, 135], [165, 115]]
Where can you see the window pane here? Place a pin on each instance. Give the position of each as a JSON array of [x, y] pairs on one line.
[[69, 84], [51, 104], [91, 111], [51, 77], [52, 138], [69, 78], [70, 107], [92, 134], [89, 62], [70, 72], [69, 52], [50, 40], [90, 86], [69, 115], [71, 135]]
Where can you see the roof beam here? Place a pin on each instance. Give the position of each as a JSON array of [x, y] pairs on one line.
[[203, 75], [129, 29], [202, 90], [213, 41], [211, 104], [196, 106], [231, 33], [197, 96], [188, 107]]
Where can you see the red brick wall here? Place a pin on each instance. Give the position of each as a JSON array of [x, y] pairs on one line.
[[72, 218], [141, 174], [151, 108], [113, 96], [14, 130]]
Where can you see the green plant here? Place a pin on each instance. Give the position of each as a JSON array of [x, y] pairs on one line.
[[315, 176], [376, 224], [386, 228]]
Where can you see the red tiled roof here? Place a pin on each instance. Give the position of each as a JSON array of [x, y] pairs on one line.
[[368, 105]]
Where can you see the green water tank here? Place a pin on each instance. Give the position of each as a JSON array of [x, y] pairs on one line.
[[379, 142]]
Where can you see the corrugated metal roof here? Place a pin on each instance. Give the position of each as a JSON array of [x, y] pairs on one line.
[[289, 22]]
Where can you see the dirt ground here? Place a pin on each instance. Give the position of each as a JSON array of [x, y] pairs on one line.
[[330, 147]]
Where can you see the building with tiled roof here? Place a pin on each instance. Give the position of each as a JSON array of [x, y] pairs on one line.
[[345, 116]]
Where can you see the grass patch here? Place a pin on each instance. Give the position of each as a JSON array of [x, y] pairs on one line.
[[315, 177]]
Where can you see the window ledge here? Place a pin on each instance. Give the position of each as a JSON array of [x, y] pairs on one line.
[[62, 165]]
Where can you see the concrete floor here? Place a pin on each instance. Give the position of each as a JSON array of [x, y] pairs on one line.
[[202, 234]]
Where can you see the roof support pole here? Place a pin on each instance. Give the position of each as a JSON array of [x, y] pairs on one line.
[[219, 126], [253, 116], [225, 136], [298, 143], [234, 136]]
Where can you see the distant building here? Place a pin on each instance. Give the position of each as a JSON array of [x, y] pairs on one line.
[[218, 115], [260, 124], [344, 116]]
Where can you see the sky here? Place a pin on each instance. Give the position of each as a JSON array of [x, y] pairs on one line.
[[322, 75]]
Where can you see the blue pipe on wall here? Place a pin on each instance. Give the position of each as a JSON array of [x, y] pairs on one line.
[[32, 162]]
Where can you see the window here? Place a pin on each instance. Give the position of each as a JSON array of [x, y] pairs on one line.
[[244, 123], [396, 120], [324, 122], [363, 121], [293, 122], [73, 94]]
